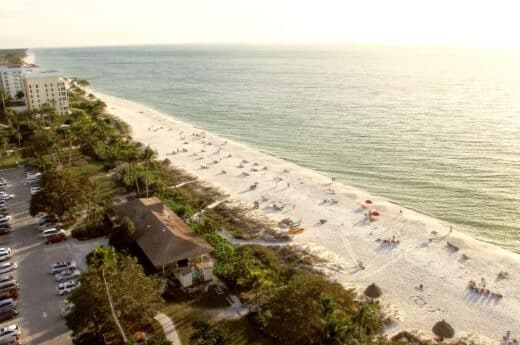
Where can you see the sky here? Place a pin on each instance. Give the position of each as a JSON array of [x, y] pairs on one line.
[[56, 23]]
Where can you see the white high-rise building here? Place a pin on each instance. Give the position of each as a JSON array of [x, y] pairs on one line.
[[45, 89], [11, 78]]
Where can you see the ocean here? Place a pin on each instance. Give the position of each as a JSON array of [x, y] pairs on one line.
[[434, 129]]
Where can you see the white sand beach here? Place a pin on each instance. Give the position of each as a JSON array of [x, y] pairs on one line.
[[347, 237]]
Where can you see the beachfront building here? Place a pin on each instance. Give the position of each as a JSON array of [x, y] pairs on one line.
[[11, 81], [46, 89], [170, 245]]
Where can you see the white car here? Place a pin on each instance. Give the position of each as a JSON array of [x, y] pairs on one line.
[[67, 275], [61, 266], [4, 279], [8, 267], [42, 219], [52, 231], [6, 196], [8, 218], [35, 175], [5, 251], [35, 190], [10, 334], [47, 226], [4, 257], [66, 287]]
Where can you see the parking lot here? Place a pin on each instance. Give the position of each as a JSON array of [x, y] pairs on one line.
[[38, 304]]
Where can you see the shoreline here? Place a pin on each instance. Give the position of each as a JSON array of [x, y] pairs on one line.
[[347, 237]]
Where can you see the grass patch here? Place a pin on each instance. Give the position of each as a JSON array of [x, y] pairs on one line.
[[182, 315], [8, 162], [90, 169], [242, 332]]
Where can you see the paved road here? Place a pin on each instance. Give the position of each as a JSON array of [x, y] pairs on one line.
[[38, 304]]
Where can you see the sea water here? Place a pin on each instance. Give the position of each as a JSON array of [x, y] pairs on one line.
[[434, 129]]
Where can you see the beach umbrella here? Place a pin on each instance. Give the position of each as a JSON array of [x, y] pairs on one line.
[[368, 201], [373, 291], [375, 213], [442, 329]]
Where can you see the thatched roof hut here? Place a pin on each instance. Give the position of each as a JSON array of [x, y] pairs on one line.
[[161, 234], [373, 291], [442, 329]]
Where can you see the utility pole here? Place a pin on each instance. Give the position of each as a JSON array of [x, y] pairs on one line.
[[112, 308]]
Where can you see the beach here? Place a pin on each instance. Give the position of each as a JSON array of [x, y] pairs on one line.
[[399, 250]]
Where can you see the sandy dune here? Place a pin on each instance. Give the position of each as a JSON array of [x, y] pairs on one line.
[[347, 237]]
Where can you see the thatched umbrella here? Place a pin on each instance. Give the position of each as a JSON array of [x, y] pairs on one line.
[[373, 291], [442, 329]]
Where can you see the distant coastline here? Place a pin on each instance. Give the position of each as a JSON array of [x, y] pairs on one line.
[[14, 56], [458, 168]]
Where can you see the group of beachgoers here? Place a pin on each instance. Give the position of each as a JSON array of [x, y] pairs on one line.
[[390, 241], [507, 339], [482, 289]]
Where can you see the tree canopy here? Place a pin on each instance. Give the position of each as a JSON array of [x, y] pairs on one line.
[[61, 194], [135, 296]]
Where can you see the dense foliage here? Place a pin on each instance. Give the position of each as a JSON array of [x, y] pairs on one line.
[[205, 334], [61, 194], [135, 296], [86, 156]]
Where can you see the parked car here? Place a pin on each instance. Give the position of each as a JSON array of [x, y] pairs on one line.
[[4, 257], [34, 190], [42, 219], [67, 309], [10, 333], [66, 287], [67, 275], [7, 217], [55, 238], [33, 174], [61, 266], [5, 229], [5, 250], [6, 267], [48, 225], [5, 278], [6, 196], [8, 313], [4, 222], [9, 293], [10, 284], [52, 231]]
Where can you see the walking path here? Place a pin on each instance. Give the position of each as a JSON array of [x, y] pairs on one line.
[[169, 328]]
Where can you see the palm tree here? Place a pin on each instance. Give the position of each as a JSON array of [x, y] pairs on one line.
[[14, 123], [19, 95], [148, 156], [257, 277]]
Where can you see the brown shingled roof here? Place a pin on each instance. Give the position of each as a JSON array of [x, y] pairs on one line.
[[162, 235]]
